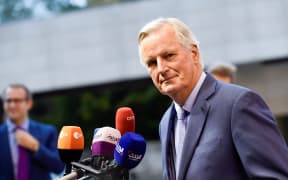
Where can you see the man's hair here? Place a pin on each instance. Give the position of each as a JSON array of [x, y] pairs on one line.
[[18, 86], [182, 31], [224, 70]]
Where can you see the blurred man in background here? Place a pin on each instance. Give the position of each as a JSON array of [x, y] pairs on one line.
[[29, 148], [211, 130], [223, 72]]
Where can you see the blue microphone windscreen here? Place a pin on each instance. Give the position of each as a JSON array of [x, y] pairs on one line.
[[130, 150]]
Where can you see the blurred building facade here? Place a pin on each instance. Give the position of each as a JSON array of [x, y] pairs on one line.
[[99, 46]]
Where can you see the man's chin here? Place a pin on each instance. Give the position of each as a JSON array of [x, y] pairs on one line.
[[168, 90]]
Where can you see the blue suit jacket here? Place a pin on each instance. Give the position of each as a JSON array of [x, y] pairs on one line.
[[231, 135], [42, 163]]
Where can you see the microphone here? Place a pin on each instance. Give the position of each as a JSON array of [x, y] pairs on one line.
[[128, 153], [70, 145], [130, 150], [74, 175], [125, 120], [103, 145], [95, 131]]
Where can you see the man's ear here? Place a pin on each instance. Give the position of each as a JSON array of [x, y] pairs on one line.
[[30, 104], [195, 52]]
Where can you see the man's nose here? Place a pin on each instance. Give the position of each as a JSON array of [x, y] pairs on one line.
[[161, 65]]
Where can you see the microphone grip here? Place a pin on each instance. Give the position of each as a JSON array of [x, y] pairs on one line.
[[70, 176], [73, 175], [126, 175]]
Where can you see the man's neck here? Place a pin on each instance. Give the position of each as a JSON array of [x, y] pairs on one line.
[[181, 97], [19, 122]]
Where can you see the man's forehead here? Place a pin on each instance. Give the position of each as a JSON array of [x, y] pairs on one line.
[[15, 90], [160, 47]]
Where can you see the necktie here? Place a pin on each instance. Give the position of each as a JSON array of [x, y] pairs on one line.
[[180, 131], [23, 163]]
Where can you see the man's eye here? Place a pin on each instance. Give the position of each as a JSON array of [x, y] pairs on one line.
[[151, 63], [169, 55]]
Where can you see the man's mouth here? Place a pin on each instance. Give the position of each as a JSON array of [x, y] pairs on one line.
[[166, 80]]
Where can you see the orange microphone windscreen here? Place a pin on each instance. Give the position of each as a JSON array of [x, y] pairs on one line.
[[125, 120], [71, 138]]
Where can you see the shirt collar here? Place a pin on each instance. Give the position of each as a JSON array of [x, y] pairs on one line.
[[192, 97], [11, 126]]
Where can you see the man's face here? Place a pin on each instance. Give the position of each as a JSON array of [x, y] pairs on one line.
[[16, 104], [173, 68]]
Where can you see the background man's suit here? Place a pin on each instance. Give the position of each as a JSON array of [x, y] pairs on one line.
[[231, 135], [44, 161]]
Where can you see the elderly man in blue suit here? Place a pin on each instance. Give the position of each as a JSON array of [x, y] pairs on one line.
[[212, 130], [28, 148]]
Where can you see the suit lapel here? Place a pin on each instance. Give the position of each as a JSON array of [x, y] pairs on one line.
[[166, 130], [34, 131], [6, 151], [194, 129], [196, 124]]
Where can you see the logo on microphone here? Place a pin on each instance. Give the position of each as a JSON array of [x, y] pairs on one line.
[[129, 118], [63, 134], [112, 138], [119, 149], [77, 135], [134, 157]]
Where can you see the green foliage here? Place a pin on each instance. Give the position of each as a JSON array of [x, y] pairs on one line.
[[91, 109], [12, 10], [283, 125], [92, 3]]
